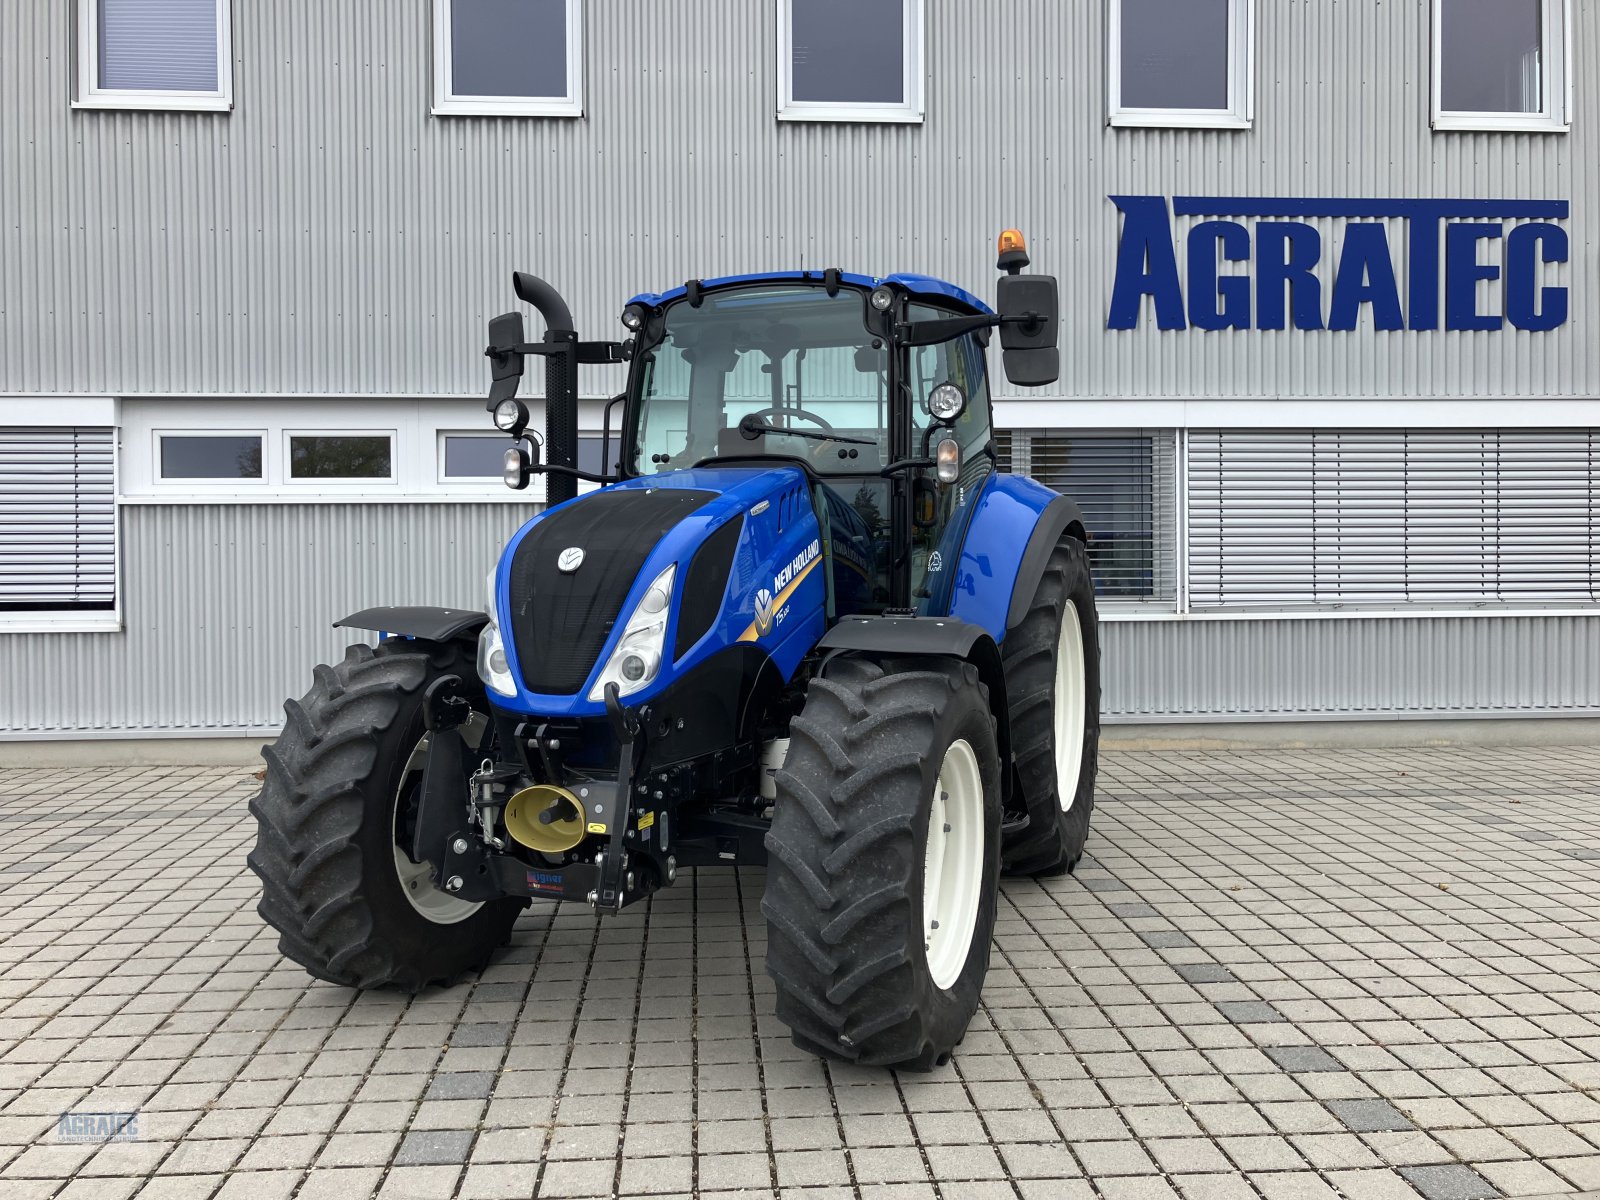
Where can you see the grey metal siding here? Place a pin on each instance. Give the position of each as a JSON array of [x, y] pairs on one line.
[[228, 607], [329, 236]]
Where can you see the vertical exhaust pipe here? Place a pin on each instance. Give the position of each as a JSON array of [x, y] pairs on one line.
[[560, 383]]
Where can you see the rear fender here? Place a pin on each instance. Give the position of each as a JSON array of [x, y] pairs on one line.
[[944, 637], [417, 621]]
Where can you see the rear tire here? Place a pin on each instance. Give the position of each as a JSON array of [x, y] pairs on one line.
[[338, 778], [1052, 670], [886, 761]]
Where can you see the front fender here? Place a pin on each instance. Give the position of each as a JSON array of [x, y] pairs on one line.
[[418, 621], [1016, 525]]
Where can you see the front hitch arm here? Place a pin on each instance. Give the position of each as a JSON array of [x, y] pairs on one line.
[[610, 891]]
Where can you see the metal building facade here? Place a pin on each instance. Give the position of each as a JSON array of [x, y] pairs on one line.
[[330, 240]]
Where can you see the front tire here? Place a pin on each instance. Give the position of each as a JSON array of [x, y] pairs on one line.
[[1052, 669], [341, 780], [883, 862]]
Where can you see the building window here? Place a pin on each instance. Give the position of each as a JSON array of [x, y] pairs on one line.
[[58, 526], [469, 457], [1501, 64], [231, 456], [515, 58], [1126, 485], [1180, 63], [341, 456], [155, 54], [850, 60], [1361, 519]]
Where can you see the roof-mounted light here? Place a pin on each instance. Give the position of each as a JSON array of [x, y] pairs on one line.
[[633, 317], [1013, 251], [882, 298]]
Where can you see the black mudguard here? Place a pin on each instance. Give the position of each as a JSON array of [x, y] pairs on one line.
[[945, 637], [418, 621]]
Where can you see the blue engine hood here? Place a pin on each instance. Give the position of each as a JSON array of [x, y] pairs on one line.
[[777, 565]]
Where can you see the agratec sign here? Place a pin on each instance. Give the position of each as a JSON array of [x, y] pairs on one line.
[[1277, 272]]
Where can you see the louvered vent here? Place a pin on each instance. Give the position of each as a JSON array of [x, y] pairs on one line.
[[1318, 518], [58, 528], [1126, 485]]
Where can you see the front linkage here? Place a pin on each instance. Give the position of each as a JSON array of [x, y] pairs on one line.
[[457, 814]]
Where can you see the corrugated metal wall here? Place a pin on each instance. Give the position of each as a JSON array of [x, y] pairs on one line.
[[227, 610], [329, 236]]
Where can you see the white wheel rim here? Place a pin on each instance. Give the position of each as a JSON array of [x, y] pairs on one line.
[[1070, 706], [416, 879], [952, 868]]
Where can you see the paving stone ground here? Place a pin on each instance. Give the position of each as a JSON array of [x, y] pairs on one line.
[[1280, 975]]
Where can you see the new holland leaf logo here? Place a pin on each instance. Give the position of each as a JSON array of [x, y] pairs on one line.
[[763, 612]]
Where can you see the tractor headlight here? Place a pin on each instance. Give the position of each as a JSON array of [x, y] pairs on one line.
[[493, 668], [511, 416], [882, 299], [637, 658]]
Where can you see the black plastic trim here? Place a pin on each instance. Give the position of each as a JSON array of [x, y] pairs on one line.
[[416, 620]]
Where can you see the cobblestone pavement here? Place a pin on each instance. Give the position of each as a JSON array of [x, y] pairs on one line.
[[1280, 975]]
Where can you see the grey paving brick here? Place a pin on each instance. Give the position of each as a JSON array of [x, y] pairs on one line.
[[1166, 940], [434, 1146], [1449, 1182], [461, 1085], [1249, 1012], [1204, 973], [1303, 1058], [1368, 1116]]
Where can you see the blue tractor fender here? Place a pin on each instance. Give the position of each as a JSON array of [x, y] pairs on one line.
[[1016, 524]]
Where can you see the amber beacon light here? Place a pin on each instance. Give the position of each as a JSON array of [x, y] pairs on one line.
[[1013, 252]]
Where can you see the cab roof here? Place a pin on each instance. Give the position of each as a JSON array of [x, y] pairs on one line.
[[917, 285]]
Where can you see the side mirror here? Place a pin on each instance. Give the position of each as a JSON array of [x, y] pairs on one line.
[[505, 364], [1028, 348]]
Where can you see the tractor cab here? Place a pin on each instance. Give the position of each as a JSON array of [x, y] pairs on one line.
[[761, 369]]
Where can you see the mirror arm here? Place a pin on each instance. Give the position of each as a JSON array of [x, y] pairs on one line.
[[574, 472], [930, 333]]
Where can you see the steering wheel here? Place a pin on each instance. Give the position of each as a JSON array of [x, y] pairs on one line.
[[764, 413]]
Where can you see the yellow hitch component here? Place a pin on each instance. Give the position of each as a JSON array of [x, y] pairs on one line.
[[546, 818]]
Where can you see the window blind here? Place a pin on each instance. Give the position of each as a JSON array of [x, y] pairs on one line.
[[158, 45], [57, 519], [1125, 483], [1388, 517]]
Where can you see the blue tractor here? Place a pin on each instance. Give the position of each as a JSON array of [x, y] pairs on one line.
[[803, 624]]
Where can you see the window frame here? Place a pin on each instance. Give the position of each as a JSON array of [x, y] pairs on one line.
[[88, 94], [447, 104], [913, 64], [222, 484], [1555, 79], [338, 483], [1240, 113]]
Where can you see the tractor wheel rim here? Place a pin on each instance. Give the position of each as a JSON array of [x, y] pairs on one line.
[[416, 879], [952, 869], [1070, 706]]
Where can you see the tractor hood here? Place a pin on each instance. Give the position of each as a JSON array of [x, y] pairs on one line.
[[742, 542]]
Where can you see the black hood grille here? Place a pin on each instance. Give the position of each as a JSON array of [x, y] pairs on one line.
[[560, 621]]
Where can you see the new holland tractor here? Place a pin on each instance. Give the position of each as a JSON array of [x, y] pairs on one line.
[[804, 623]]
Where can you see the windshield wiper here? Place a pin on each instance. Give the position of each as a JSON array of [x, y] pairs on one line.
[[751, 427]]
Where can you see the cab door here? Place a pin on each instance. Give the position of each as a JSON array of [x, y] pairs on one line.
[[941, 511]]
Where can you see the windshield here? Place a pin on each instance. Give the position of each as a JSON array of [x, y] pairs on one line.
[[797, 366]]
